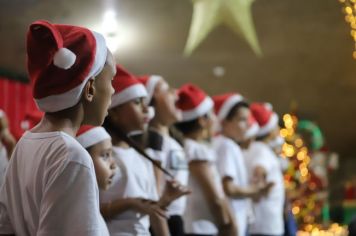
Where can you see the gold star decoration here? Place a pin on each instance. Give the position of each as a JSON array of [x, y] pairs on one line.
[[208, 14]]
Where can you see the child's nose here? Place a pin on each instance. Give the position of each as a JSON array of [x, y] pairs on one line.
[[113, 164]]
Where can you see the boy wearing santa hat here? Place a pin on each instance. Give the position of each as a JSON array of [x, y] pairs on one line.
[[233, 115], [207, 211], [50, 186], [263, 166], [135, 182], [162, 98], [97, 142]]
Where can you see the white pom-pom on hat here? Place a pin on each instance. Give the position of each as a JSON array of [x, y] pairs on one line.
[[269, 106], [64, 58]]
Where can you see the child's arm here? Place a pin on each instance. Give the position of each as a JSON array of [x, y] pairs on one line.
[[159, 225], [201, 171], [158, 175], [252, 191], [144, 206]]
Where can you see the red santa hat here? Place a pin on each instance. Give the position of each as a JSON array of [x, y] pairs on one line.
[[127, 87], [150, 82], [223, 104], [60, 60], [89, 135], [265, 117], [253, 127], [193, 102]]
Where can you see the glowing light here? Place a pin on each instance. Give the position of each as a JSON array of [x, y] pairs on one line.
[[301, 156], [295, 210], [304, 172], [289, 150], [119, 35], [348, 10], [309, 228], [290, 132], [288, 122], [298, 142], [350, 18], [283, 132]]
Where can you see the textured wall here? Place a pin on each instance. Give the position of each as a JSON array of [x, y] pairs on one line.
[[306, 44]]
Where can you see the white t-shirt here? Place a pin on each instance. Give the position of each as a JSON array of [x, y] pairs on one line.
[[198, 218], [269, 210], [4, 162], [230, 162], [134, 179], [172, 158], [50, 188]]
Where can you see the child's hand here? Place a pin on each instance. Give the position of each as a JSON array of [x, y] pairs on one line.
[[265, 189], [172, 191], [262, 191], [148, 207]]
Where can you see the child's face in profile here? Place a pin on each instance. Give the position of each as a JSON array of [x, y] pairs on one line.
[[131, 116], [97, 109], [165, 99], [104, 163], [237, 126]]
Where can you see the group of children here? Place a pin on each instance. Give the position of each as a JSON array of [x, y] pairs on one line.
[[120, 154]]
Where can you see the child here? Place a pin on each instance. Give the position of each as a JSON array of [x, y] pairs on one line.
[[207, 211], [50, 186], [233, 114], [263, 165], [98, 143], [138, 206], [163, 98], [7, 145]]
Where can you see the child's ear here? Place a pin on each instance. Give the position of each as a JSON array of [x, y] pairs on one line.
[[89, 90]]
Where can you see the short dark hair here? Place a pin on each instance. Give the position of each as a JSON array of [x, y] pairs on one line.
[[233, 111], [190, 126]]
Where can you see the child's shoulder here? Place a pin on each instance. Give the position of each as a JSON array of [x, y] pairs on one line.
[[222, 141], [75, 151], [55, 146], [198, 151]]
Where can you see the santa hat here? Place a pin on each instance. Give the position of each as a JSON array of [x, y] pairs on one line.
[[253, 127], [2, 113], [60, 60], [224, 103], [265, 117], [127, 87], [193, 102], [89, 135], [150, 82]]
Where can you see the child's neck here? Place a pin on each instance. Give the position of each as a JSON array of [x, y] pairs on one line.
[[160, 128], [67, 121], [119, 142], [197, 136]]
